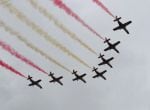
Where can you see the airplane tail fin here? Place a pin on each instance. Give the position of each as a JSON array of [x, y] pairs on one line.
[[94, 69], [74, 72], [117, 18], [51, 74], [29, 77], [106, 40], [101, 55], [104, 72]]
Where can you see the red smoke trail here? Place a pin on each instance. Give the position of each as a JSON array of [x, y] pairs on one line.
[[63, 6], [19, 56], [11, 68], [103, 7]]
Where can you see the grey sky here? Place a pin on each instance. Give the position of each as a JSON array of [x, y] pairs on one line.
[[127, 87]]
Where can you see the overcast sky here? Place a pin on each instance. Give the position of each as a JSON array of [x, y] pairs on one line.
[[127, 86]]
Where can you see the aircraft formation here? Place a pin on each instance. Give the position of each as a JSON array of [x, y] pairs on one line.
[[104, 61], [96, 72]]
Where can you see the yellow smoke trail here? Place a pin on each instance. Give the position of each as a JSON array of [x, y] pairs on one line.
[[27, 43], [48, 15], [3, 1], [35, 27]]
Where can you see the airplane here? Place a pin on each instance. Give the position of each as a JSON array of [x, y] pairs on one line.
[[111, 46], [121, 25], [78, 77], [105, 61], [99, 74], [55, 79], [34, 82]]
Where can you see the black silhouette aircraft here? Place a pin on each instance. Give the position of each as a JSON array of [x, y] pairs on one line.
[[78, 77], [111, 46], [36, 83], [121, 25], [99, 74], [55, 79], [105, 61]]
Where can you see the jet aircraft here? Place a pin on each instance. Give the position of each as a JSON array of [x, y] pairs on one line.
[[121, 25], [105, 61], [99, 74], [111, 46], [78, 77], [54, 79], [34, 83]]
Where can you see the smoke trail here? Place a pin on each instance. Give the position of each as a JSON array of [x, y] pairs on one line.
[[3, 1], [5, 65], [48, 15], [28, 44], [103, 7], [63, 6], [43, 33], [19, 56]]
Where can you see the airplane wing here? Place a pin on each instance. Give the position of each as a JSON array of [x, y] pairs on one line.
[[112, 48], [75, 79], [117, 28], [83, 75], [96, 76], [31, 84], [109, 65], [38, 81], [52, 81], [108, 48], [116, 50], [127, 23], [100, 74], [126, 30], [101, 63], [110, 59], [78, 79], [39, 86], [60, 83], [103, 74], [83, 80], [117, 43], [60, 77], [56, 81], [103, 77], [104, 71]]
